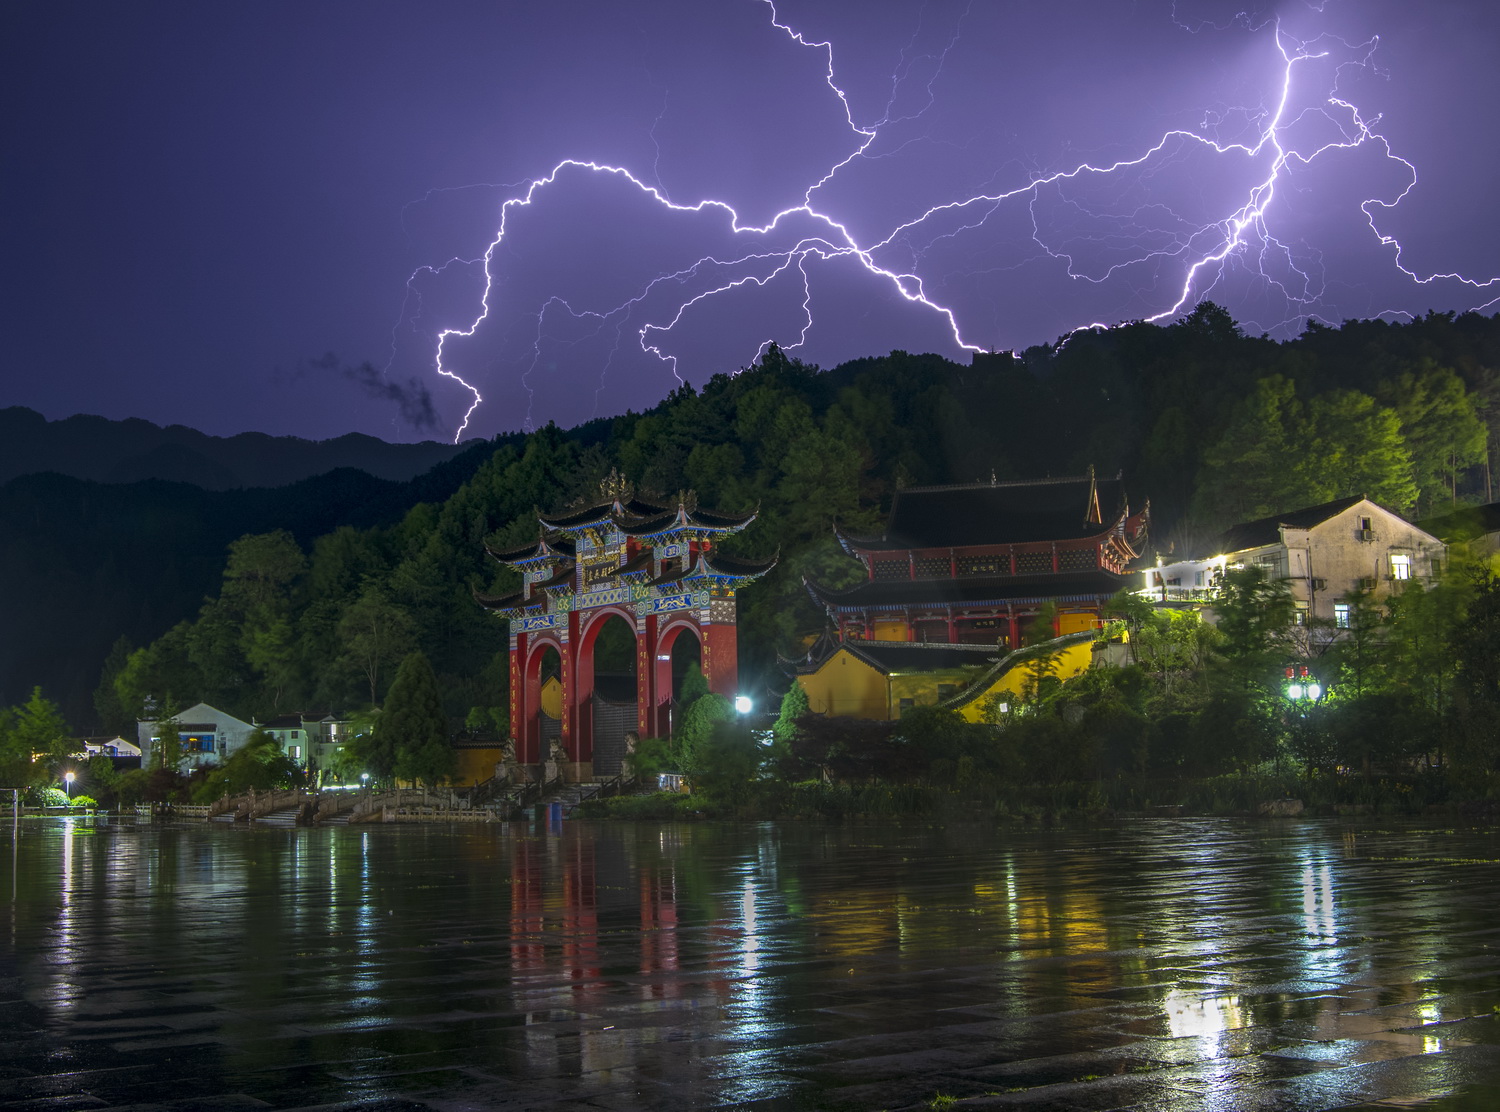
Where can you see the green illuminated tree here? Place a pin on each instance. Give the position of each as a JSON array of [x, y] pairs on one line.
[[1441, 427], [1355, 446], [413, 730]]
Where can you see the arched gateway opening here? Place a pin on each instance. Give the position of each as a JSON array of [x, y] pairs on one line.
[[607, 689], [624, 579]]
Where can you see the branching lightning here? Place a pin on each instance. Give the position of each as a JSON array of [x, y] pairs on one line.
[[1291, 133]]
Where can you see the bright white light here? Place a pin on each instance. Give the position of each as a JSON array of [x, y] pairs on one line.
[[743, 704], [1314, 691], [68, 776], [1294, 691]]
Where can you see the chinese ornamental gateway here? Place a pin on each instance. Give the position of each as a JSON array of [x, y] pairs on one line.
[[652, 565]]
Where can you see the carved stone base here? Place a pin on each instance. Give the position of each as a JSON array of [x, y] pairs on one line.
[[577, 772]]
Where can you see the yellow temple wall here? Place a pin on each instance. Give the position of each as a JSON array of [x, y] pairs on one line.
[[552, 698], [476, 765], [1076, 621], [1071, 661], [846, 685], [890, 631]]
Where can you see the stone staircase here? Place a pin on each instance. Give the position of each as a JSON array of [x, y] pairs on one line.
[[570, 795], [282, 816]]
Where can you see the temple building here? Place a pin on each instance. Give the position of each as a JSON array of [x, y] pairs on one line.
[[971, 566], [648, 564]]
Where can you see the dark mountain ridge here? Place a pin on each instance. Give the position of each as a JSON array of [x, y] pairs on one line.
[[102, 450], [85, 562]]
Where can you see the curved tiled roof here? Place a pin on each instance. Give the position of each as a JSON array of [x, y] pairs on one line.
[[898, 593], [515, 600], [972, 514], [891, 657], [543, 548]]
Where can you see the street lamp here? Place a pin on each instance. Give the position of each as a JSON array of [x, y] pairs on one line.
[[1301, 685], [68, 785], [743, 704]]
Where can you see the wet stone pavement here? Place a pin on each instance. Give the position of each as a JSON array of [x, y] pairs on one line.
[[1158, 966]]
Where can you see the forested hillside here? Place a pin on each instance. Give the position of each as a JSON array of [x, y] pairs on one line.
[[1209, 425]]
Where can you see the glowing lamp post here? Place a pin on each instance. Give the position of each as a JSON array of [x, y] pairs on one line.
[[1301, 686], [742, 704], [68, 785]]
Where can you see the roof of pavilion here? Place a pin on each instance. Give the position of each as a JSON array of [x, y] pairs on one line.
[[633, 516], [900, 594], [893, 657], [637, 516], [707, 566], [997, 513]]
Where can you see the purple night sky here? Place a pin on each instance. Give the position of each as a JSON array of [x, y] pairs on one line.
[[217, 214]]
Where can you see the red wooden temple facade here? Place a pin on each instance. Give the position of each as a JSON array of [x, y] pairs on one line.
[[974, 563], [652, 565]]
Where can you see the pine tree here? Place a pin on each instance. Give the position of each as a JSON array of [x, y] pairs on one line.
[[412, 726]]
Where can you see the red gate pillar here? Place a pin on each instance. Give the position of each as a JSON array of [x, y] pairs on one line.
[[518, 646], [661, 684], [721, 660], [582, 748], [645, 676], [569, 685]]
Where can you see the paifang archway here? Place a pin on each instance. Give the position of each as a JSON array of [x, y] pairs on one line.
[[653, 565]]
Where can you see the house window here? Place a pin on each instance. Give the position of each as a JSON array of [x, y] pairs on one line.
[[1197, 579], [1300, 615], [1271, 565], [1341, 615], [295, 752], [1400, 565]]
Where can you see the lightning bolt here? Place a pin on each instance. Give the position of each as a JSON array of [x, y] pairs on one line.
[[1286, 138]]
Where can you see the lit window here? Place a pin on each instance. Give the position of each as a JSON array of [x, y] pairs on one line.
[[1301, 615], [1400, 565], [1341, 615]]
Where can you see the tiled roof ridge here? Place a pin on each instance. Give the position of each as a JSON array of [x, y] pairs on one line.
[[997, 484]]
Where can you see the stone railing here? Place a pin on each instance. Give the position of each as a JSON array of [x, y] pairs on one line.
[[417, 805], [224, 804], [255, 805]]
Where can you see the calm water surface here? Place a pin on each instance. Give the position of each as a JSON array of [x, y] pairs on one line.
[[1161, 965]]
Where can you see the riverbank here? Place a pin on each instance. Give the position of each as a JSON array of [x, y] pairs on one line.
[[1251, 795]]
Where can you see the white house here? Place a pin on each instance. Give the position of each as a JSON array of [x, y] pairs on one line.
[[1322, 552], [106, 747], [207, 735], [309, 738]]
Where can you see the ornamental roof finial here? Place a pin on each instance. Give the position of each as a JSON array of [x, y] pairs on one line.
[[615, 487]]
